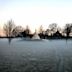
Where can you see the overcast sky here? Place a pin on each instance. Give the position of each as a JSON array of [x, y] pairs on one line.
[[36, 12]]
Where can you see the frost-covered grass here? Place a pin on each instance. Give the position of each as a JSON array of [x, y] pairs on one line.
[[35, 56]]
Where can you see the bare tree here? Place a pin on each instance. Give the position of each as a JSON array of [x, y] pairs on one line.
[[17, 30], [41, 29], [27, 30], [53, 27], [68, 29], [47, 31], [8, 28]]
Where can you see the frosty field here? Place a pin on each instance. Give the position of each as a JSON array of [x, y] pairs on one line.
[[35, 56]]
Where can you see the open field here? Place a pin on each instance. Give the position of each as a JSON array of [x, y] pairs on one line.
[[35, 56]]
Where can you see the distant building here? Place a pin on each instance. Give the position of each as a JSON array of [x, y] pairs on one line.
[[35, 36], [57, 35]]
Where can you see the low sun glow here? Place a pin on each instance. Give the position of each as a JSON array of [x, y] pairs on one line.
[[35, 13]]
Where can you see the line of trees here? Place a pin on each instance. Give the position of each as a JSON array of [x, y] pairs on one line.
[[11, 30]]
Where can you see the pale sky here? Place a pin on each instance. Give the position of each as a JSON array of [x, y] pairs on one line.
[[36, 12]]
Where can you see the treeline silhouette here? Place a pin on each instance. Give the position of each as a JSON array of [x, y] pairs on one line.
[[52, 32]]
